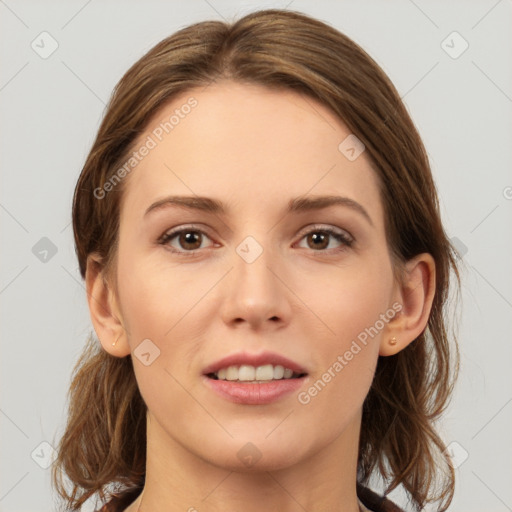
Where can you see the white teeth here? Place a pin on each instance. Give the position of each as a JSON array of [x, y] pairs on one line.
[[248, 373], [265, 372], [232, 373], [278, 372]]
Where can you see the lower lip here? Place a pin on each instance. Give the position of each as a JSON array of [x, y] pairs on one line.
[[254, 393]]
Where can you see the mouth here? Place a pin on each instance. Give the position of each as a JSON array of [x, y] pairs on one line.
[[255, 379], [255, 374]]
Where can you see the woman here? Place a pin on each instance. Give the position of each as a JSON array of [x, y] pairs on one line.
[[266, 272]]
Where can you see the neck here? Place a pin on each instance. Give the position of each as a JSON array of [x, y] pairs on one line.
[[178, 480]]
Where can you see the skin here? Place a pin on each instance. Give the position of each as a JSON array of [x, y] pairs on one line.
[[253, 149]]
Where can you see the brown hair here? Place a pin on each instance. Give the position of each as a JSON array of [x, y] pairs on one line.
[[104, 441]]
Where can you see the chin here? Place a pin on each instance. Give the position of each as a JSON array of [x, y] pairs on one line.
[[255, 456], [264, 464]]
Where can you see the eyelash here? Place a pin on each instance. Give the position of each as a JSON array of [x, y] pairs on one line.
[[344, 239]]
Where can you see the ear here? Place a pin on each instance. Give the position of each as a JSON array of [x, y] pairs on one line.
[[105, 314], [415, 294]]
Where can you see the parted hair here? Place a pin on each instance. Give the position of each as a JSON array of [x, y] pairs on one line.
[[103, 445]]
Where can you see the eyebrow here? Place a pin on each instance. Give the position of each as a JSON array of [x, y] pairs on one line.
[[296, 205]]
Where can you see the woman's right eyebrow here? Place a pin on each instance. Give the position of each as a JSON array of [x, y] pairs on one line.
[[298, 204], [189, 202]]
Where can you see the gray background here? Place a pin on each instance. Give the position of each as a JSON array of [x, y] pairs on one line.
[[51, 108]]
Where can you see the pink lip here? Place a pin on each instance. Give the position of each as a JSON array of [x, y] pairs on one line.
[[253, 360], [250, 393]]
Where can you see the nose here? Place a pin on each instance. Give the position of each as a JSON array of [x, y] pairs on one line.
[[255, 294]]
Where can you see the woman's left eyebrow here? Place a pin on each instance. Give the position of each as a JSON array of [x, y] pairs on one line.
[[298, 204]]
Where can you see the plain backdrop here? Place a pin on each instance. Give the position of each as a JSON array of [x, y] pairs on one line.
[[51, 105]]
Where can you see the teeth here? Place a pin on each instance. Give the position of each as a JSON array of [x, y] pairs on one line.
[[247, 373], [265, 372], [232, 373], [278, 372]]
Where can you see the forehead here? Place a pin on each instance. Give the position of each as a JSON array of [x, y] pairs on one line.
[[244, 143]]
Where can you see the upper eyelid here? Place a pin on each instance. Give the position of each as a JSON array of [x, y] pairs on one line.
[[179, 229], [326, 227]]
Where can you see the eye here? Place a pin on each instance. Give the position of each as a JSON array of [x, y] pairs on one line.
[[184, 240], [321, 238]]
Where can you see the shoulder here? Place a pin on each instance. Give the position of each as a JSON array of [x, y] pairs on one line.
[[111, 506], [121, 501], [373, 502]]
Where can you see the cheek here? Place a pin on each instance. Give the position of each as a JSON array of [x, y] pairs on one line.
[[153, 295], [354, 305], [166, 306], [343, 377], [155, 302], [146, 302], [349, 299]]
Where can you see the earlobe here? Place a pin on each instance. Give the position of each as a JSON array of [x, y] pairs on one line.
[[104, 313], [415, 294]]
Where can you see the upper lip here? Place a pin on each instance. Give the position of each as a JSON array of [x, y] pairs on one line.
[[256, 360]]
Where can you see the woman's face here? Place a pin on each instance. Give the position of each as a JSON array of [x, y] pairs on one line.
[[197, 284]]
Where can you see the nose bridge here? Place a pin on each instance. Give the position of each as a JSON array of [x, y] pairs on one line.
[[255, 294], [252, 269]]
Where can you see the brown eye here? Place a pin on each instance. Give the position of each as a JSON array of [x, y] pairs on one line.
[[190, 240], [318, 240], [321, 239], [184, 240]]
